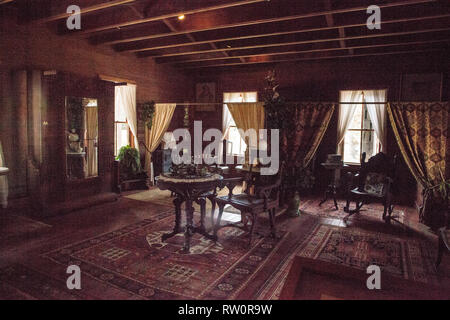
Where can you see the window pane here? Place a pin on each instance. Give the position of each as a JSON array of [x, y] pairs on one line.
[[238, 145], [122, 136], [352, 146], [367, 124], [369, 144]]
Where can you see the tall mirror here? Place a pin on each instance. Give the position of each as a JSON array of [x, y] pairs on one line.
[[82, 138]]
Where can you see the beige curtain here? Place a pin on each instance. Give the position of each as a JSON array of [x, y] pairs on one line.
[[125, 103], [3, 182], [248, 115], [161, 121], [91, 137]]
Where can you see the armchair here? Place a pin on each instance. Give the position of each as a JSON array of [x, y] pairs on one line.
[[374, 182], [255, 200]]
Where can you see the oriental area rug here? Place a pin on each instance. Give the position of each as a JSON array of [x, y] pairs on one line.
[[135, 260], [407, 258], [372, 212]]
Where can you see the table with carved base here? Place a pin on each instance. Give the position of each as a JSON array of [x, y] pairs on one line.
[[188, 191], [331, 190]]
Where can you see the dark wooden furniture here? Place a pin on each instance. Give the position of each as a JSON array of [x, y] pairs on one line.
[[188, 191], [444, 244], [374, 182], [51, 190], [312, 279], [162, 160], [255, 200], [331, 190]]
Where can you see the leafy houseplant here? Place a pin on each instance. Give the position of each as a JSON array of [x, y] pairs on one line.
[[130, 163], [147, 113]]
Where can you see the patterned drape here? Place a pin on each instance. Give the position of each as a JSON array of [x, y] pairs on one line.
[[302, 137], [421, 130]]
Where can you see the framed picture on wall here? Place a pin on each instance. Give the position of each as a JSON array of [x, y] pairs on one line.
[[205, 92], [421, 87]]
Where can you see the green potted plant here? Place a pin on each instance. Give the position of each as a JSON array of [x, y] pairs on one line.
[[130, 163]]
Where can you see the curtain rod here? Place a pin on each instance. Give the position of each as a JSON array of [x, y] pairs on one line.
[[287, 102]]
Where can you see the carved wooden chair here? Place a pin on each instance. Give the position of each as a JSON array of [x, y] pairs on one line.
[[373, 183], [255, 200]]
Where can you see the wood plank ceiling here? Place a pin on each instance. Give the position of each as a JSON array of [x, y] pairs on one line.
[[221, 33]]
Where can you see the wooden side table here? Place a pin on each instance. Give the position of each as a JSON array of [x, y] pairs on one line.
[[331, 189]]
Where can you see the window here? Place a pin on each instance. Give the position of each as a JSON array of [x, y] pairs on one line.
[[231, 132], [125, 117], [360, 134]]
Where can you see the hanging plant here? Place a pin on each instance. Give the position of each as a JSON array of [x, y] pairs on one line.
[[147, 113], [274, 104]]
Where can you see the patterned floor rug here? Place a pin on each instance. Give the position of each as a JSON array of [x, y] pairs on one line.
[[135, 260], [371, 212], [407, 258]]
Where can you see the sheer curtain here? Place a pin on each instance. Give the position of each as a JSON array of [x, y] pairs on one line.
[[377, 114], [125, 105], [346, 113], [3, 182]]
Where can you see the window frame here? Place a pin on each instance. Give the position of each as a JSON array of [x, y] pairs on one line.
[[363, 103]]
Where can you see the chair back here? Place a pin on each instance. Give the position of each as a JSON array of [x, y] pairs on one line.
[[379, 165]]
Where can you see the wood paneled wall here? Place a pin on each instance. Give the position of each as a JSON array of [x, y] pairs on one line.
[[34, 47]]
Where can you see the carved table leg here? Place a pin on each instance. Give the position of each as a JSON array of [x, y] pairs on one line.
[[189, 226], [252, 228], [177, 202], [219, 217], [202, 203]]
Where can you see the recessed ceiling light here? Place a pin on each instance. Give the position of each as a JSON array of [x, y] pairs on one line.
[[181, 17]]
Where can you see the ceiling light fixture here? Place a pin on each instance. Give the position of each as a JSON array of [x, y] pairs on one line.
[[181, 17]]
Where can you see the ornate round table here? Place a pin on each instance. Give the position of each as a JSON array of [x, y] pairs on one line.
[[188, 190]]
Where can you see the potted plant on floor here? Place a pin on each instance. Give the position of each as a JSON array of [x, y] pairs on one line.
[[131, 174]]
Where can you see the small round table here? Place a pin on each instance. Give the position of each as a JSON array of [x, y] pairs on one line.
[[332, 187], [188, 191]]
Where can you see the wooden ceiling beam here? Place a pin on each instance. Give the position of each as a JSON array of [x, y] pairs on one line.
[[176, 45], [260, 21], [268, 45], [331, 23], [84, 10], [168, 16], [396, 44], [5, 1], [314, 58]]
